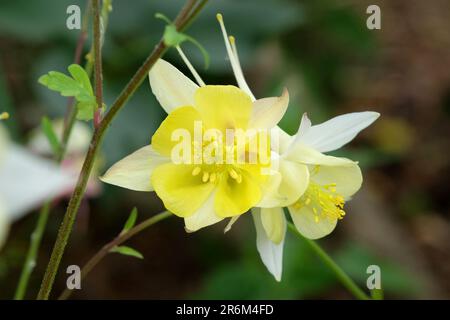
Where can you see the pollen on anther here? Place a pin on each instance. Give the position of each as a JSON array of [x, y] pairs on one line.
[[196, 171], [212, 177], [234, 174], [205, 177]]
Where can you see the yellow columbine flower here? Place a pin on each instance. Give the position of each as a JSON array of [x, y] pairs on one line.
[[332, 181], [202, 192], [312, 185]]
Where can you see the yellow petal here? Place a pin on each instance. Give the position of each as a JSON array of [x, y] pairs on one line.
[[306, 223], [234, 198], [170, 86], [203, 217], [164, 139], [267, 112], [182, 192], [274, 223], [134, 171], [348, 178], [223, 107]]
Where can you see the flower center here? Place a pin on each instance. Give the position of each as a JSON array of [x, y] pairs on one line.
[[323, 201], [213, 173]]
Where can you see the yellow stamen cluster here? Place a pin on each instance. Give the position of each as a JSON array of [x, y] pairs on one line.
[[323, 201], [211, 176]]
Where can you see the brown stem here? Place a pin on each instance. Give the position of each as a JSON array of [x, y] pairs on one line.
[[98, 73]]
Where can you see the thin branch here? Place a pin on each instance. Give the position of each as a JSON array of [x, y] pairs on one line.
[[121, 238], [30, 260], [98, 73], [329, 262], [74, 203]]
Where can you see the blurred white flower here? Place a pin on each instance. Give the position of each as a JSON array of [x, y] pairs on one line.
[[26, 181], [77, 146]]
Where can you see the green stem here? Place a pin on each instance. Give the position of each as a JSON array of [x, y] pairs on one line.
[[41, 223], [329, 262], [30, 260], [74, 203], [121, 238]]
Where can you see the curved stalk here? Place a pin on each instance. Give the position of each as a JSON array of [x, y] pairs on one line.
[[121, 238], [329, 262]]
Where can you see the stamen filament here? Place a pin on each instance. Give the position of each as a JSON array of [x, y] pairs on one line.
[[197, 77]]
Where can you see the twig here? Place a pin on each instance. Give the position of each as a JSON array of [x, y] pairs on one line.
[[121, 238]]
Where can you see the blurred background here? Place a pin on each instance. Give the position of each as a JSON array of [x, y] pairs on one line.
[[332, 64]]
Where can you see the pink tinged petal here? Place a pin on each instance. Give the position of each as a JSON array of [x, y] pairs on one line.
[[26, 181], [271, 254], [170, 86], [134, 171], [338, 131]]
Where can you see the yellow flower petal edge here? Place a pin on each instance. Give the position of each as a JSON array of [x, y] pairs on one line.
[[306, 223], [236, 196], [182, 192], [182, 118]]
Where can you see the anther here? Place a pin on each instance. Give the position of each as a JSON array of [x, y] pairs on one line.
[[196, 171], [234, 174]]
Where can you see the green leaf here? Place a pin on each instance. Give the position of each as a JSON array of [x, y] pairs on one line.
[[49, 132], [80, 75], [131, 221], [85, 111], [77, 86], [127, 251]]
